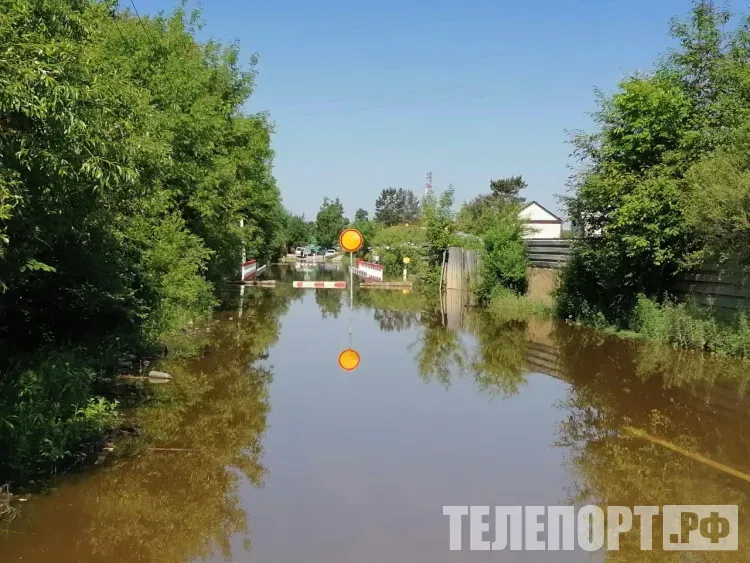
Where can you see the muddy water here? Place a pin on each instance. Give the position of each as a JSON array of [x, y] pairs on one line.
[[263, 449]]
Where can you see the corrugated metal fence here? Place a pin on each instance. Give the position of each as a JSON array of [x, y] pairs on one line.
[[548, 253], [721, 286], [725, 287]]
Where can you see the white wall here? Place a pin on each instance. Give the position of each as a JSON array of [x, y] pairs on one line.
[[535, 213], [540, 230], [544, 230]]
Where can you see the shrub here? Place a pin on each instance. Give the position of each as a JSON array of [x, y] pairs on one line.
[[47, 411], [505, 261]]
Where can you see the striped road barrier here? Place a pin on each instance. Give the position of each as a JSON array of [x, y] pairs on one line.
[[320, 284], [368, 270], [249, 269]]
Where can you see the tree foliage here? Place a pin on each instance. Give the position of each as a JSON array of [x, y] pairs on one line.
[[508, 189], [630, 193], [396, 206], [505, 258], [361, 215], [126, 169], [330, 222], [438, 218], [296, 231], [478, 215]]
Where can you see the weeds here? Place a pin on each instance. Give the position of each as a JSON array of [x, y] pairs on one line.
[[689, 325], [50, 415], [507, 306]]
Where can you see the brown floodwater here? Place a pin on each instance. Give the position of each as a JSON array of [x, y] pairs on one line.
[[263, 449]]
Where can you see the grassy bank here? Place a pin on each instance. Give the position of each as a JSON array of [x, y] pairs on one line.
[[507, 306], [688, 325]]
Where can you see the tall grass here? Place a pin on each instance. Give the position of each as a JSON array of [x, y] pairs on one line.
[[689, 325], [49, 413], [507, 306]]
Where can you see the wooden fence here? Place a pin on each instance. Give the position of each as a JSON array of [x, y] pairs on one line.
[[460, 268]]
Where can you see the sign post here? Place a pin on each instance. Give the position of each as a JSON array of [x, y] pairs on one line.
[[351, 240], [406, 261]]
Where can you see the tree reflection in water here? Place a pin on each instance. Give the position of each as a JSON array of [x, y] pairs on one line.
[[625, 400], [181, 502]]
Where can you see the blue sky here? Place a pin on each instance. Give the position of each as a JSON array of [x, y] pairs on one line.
[[367, 94]]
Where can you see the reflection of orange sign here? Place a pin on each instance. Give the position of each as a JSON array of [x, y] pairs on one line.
[[349, 360], [351, 240]]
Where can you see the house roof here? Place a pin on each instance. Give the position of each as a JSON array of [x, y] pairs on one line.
[[541, 207]]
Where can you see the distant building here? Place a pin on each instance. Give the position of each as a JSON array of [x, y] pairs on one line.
[[542, 222]]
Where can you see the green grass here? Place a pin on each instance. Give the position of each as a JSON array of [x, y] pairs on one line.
[[505, 306], [688, 325]]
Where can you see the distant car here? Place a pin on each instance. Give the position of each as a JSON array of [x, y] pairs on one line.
[[302, 252], [330, 253]]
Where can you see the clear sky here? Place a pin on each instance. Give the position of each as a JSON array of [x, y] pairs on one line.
[[367, 94]]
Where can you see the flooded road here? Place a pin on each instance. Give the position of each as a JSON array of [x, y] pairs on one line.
[[264, 450]]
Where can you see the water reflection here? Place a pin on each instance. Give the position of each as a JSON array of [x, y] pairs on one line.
[[617, 422], [172, 496], [644, 424]]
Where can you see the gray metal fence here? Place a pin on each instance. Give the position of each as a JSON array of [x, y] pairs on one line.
[[548, 253], [725, 287]]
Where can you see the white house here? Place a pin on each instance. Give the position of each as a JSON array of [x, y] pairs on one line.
[[542, 222]]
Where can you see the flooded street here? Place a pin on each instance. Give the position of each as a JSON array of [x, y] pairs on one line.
[[265, 450]]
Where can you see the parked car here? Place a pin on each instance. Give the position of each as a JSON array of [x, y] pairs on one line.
[[330, 253], [302, 252]]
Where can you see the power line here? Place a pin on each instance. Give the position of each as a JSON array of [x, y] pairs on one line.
[[397, 105], [151, 37], [445, 90], [114, 19], [469, 58]]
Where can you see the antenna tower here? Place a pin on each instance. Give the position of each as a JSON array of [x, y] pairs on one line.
[[428, 185]]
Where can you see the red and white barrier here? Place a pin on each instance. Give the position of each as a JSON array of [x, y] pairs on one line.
[[368, 270], [320, 284], [249, 270]]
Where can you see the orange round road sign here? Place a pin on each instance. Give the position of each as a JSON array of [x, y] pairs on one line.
[[349, 359], [351, 240]]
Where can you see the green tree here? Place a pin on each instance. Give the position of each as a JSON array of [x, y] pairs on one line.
[[361, 215], [505, 260], [629, 193], [437, 213], [396, 206], [717, 205], [477, 215], [127, 169], [330, 222], [508, 189], [296, 231]]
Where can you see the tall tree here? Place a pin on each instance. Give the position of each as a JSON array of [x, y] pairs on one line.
[[296, 231], [330, 222], [361, 215], [396, 206], [508, 189], [630, 190]]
